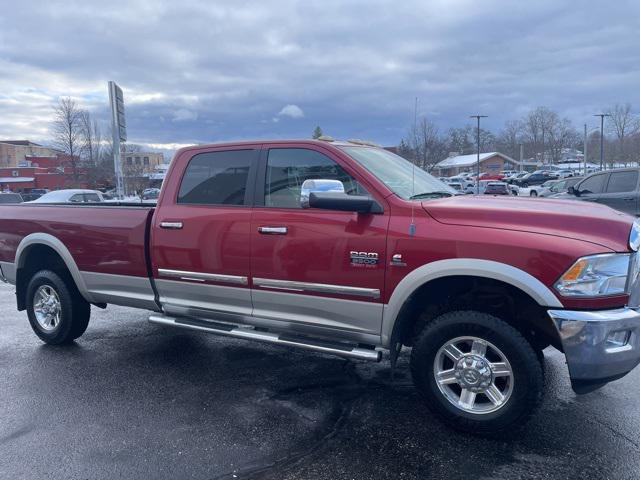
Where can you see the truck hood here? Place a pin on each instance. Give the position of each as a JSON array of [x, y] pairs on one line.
[[563, 218]]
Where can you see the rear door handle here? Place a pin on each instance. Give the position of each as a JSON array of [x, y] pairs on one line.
[[273, 230], [171, 225]]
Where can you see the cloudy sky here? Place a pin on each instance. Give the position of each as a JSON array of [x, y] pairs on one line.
[[206, 71]]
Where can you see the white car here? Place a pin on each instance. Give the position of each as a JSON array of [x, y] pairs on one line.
[[564, 173], [466, 185], [71, 196], [543, 190]]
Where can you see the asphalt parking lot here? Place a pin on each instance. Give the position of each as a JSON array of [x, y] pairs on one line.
[[134, 400]]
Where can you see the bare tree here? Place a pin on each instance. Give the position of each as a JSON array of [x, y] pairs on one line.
[[67, 131], [510, 138], [426, 143], [91, 138], [622, 123]]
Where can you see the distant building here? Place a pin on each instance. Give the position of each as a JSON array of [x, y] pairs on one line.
[[144, 162], [492, 162], [17, 152]]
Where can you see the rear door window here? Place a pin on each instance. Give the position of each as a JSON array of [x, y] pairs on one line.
[[620, 182], [217, 178]]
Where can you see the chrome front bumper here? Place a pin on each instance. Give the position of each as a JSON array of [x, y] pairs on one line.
[[600, 346]]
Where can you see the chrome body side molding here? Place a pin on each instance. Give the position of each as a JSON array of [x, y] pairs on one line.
[[316, 288], [202, 277]]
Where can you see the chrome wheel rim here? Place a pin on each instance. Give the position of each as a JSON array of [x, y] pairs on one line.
[[47, 307], [473, 375]]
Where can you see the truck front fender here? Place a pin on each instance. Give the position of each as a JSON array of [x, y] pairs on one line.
[[470, 267]]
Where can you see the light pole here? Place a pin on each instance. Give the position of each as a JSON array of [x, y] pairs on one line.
[[602, 115], [478, 117]]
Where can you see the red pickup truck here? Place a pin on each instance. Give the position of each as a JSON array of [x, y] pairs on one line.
[[343, 248]]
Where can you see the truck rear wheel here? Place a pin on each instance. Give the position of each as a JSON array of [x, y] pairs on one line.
[[476, 372], [57, 312]]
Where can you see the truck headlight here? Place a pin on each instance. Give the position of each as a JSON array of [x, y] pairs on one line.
[[596, 276]]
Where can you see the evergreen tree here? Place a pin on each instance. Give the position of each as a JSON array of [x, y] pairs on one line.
[[317, 133]]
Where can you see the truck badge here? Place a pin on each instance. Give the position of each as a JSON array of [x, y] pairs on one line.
[[363, 258]]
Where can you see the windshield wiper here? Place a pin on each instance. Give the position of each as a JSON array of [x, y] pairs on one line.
[[434, 194]]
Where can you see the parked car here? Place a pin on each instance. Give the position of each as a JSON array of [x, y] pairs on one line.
[[348, 249], [562, 186], [7, 197], [565, 173], [466, 185], [71, 196], [491, 176], [150, 194], [514, 178], [535, 178], [543, 190], [615, 188], [34, 194], [497, 188], [508, 173]]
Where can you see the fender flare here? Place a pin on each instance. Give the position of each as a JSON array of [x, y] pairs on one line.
[[56, 245], [470, 267]]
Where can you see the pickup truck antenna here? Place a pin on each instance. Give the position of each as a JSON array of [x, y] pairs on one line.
[[412, 226]]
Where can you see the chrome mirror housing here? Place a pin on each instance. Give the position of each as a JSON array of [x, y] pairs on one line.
[[319, 185]]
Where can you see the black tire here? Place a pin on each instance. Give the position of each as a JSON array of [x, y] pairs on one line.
[[527, 373], [74, 311], [525, 185], [533, 193]]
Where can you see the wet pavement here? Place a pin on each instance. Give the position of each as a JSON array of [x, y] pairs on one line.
[[134, 400]]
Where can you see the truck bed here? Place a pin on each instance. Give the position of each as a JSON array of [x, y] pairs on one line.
[[108, 245]]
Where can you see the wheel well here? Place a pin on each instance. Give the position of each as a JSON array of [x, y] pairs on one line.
[[38, 257], [474, 293]]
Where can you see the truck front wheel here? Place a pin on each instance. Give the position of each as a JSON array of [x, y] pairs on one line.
[[57, 312], [476, 372]]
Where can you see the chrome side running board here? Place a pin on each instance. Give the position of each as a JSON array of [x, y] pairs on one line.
[[292, 340]]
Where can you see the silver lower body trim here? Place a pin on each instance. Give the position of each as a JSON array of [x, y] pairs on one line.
[[202, 277], [335, 348], [124, 290], [316, 288]]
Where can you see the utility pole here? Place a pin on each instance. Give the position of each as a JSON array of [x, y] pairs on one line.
[[584, 150], [521, 156], [602, 115], [478, 117]]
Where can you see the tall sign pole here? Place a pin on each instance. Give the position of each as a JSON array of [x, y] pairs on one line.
[[602, 115], [119, 129], [478, 117]]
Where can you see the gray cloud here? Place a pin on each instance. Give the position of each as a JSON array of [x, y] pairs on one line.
[[198, 71]]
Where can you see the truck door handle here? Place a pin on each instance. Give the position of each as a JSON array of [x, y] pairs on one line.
[[171, 225], [629, 199], [273, 230]]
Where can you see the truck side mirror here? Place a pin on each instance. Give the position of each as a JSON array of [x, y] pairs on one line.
[[343, 202], [573, 191], [319, 185]]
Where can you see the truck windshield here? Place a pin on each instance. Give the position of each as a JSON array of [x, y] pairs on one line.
[[398, 174]]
